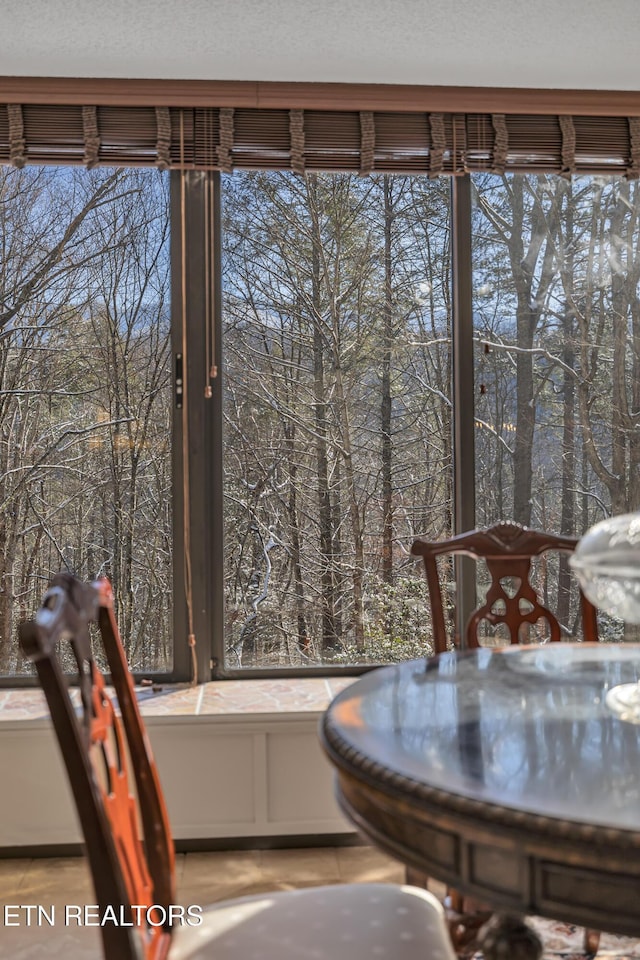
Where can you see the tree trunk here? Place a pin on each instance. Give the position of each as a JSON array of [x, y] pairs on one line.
[[385, 403], [330, 640], [302, 634], [354, 515], [567, 509], [526, 318]]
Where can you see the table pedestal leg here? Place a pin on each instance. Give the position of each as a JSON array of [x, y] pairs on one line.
[[591, 941], [415, 877], [507, 937], [473, 926], [465, 925]]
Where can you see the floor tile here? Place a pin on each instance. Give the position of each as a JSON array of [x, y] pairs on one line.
[[217, 869], [366, 865], [204, 895], [179, 866], [12, 873], [50, 943], [318, 865], [53, 874]]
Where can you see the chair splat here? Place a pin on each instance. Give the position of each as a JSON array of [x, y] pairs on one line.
[[508, 550]]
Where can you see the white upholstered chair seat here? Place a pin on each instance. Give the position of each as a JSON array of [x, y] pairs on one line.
[[375, 921]]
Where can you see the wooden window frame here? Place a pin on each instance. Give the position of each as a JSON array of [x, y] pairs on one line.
[[318, 96]]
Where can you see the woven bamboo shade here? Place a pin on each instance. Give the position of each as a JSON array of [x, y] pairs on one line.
[[317, 140]]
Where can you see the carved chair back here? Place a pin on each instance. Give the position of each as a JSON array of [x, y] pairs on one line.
[[511, 600], [98, 743]]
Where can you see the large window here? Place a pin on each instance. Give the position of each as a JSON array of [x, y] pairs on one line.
[[337, 333], [242, 395], [337, 413], [85, 397], [557, 356]]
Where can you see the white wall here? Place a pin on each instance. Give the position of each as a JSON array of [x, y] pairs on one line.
[[590, 44]]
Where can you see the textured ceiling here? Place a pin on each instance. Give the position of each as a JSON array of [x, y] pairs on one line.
[[528, 43]]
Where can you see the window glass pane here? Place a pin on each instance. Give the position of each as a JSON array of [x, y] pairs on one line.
[[85, 401], [337, 413], [557, 357]]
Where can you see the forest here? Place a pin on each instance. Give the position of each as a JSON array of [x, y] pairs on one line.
[[337, 411], [337, 332], [85, 418]]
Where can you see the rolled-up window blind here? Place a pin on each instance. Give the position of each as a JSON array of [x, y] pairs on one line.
[[224, 138]]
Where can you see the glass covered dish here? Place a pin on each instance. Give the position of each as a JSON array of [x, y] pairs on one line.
[[607, 564], [606, 561]]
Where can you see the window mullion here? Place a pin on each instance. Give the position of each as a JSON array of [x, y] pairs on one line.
[[463, 393], [192, 521]]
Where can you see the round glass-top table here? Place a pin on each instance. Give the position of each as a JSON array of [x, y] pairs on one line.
[[504, 773]]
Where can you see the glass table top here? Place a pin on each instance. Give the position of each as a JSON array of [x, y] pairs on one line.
[[527, 728]]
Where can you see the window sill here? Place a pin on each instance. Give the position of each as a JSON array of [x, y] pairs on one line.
[[224, 698]]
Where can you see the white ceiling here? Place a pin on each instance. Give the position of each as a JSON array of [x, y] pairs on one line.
[[591, 44]]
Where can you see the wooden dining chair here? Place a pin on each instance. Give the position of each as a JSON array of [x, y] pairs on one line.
[[511, 601], [133, 869]]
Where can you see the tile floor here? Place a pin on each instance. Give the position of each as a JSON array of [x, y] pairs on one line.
[[206, 877], [202, 878]]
